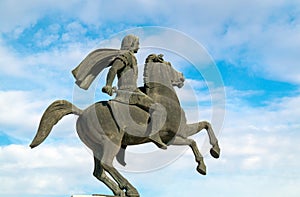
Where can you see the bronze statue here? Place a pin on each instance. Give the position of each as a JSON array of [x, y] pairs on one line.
[[108, 127]]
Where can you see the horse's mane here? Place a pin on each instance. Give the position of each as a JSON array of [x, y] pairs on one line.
[[154, 73]]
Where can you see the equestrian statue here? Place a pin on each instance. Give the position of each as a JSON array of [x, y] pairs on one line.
[[137, 115]]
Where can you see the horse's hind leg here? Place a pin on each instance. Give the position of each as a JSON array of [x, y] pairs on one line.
[[201, 168], [123, 182], [99, 173], [109, 153]]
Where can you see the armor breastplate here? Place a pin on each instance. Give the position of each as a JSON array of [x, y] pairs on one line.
[[127, 79]]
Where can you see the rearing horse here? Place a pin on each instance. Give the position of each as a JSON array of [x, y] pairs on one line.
[[99, 129]]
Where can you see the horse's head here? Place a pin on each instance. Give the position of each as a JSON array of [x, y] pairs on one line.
[[177, 78], [166, 69]]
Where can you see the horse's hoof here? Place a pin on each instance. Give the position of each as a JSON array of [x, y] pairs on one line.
[[120, 193], [215, 151], [201, 168], [132, 193]]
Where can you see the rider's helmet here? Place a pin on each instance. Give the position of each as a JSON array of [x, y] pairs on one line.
[[131, 43]]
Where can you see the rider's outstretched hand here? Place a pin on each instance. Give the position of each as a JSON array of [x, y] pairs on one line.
[[108, 90]]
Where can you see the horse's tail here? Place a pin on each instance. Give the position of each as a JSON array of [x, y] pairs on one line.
[[51, 116]]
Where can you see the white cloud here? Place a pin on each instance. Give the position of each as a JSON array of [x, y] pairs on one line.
[[15, 14], [16, 108], [49, 70], [74, 31], [265, 42], [262, 138], [46, 37], [268, 38], [281, 54], [57, 59], [10, 63], [45, 170], [21, 112]]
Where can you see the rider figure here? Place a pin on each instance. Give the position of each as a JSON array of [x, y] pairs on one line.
[[126, 69]]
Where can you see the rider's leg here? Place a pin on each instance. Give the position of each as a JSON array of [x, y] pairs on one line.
[[157, 116], [157, 120]]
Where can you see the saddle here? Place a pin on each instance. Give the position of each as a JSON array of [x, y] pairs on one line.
[[130, 118]]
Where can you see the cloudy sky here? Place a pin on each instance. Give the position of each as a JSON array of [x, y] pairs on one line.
[[252, 48]]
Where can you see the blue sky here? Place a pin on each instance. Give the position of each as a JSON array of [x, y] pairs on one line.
[[255, 49]]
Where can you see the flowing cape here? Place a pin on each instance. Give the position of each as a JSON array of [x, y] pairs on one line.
[[93, 64]]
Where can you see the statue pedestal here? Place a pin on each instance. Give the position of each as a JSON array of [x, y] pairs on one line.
[[93, 195]]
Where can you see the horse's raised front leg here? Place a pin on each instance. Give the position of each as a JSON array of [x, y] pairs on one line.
[[201, 168], [196, 127]]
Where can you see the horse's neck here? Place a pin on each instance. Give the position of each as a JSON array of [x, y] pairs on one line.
[[157, 76], [158, 84], [158, 92]]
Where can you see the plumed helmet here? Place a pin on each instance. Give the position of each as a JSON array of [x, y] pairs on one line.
[[130, 42]]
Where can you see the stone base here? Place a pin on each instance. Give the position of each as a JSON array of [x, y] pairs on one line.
[[93, 195]]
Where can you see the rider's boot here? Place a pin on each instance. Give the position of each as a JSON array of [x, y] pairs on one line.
[[158, 117], [155, 138]]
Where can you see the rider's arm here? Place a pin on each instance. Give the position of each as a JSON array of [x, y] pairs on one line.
[[117, 65]]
